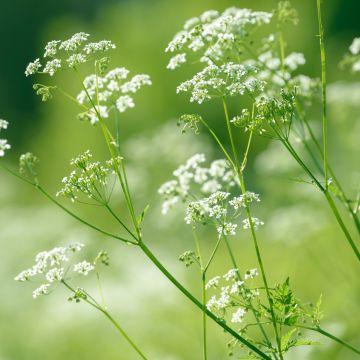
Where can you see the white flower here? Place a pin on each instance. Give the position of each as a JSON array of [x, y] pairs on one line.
[[102, 46], [3, 147], [41, 290], [293, 60], [136, 83], [212, 283], [238, 315], [251, 274], [356, 66], [232, 274], [227, 229], [52, 66], [355, 46], [255, 222], [74, 42], [176, 61], [83, 268], [124, 102], [76, 59], [3, 124], [101, 111], [51, 48], [54, 274], [33, 67]]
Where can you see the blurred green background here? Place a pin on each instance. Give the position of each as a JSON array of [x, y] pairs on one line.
[[300, 238]]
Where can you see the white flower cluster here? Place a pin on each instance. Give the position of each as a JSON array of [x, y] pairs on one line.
[[215, 35], [109, 92], [353, 59], [209, 180], [222, 40], [229, 79], [256, 223], [51, 266], [3, 142], [235, 293], [91, 179], [68, 54]]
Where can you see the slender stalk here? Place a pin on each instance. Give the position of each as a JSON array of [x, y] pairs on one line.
[[234, 262], [203, 282], [344, 199], [53, 200], [330, 336], [323, 81], [248, 212], [112, 320], [195, 301], [124, 334]]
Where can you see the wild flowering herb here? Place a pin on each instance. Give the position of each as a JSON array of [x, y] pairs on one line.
[[236, 64], [4, 146]]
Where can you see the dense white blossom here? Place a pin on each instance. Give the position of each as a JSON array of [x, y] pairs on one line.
[[111, 91], [4, 146], [255, 222], [33, 67], [238, 315], [176, 61], [355, 46], [53, 267], [83, 268]]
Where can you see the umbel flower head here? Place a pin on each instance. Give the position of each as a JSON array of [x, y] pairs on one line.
[[3, 142], [70, 53], [113, 91], [54, 266], [236, 62]]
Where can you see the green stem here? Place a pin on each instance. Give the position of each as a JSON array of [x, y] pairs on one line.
[[257, 249], [323, 81], [117, 326], [195, 301], [124, 334], [53, 200], [235, 265], [330, 336], [203, 282], [341, 223]]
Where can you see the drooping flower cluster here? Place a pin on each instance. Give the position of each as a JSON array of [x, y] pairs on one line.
[[90, 179], [218, 176], [111, 91], [234, 295], [70, 53], [3, 142], [54, 266], [352, 59]]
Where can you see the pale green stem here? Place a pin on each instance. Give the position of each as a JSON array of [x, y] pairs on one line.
[[323, 81], [53, 200], [112, 320], [330, 336], [257, 249]]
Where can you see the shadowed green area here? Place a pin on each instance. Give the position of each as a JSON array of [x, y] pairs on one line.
[[300, 239]]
